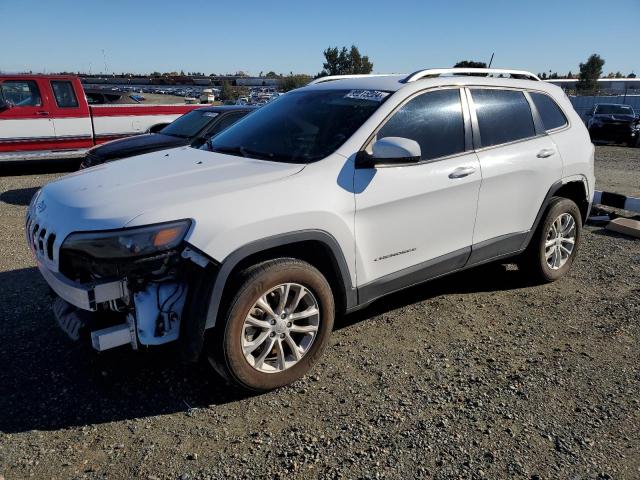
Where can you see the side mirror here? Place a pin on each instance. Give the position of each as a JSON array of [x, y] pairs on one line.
[[390, 151], [4, 105]]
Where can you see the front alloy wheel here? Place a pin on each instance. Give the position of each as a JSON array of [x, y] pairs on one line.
[[276, 326], [280, 328]]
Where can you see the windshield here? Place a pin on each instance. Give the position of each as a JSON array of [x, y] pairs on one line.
[[614, 110], [189, 124], [300, 126]]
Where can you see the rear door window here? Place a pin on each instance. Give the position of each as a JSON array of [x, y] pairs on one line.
[[189, 124], [550, 113], [225, 122], [503, 116], [434, 120], [21, 93], [64, 94]]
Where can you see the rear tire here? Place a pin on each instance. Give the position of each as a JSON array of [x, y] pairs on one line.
[[555, 243], [275, 327]]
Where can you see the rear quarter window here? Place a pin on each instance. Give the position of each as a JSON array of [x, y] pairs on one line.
[[503, 116], [550, 113], [64, 94]]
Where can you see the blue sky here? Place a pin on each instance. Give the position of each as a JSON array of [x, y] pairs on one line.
[[399, 36]]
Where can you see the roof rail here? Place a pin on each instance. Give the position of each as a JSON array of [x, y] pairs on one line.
[[436, 72], [331, 78]]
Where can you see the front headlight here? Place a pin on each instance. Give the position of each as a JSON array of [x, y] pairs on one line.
[[129, 242]]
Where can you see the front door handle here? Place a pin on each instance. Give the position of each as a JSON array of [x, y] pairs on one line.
[[546, 152], [42, 113], [461, 172]]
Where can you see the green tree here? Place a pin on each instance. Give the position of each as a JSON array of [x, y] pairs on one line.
[[470, 64], [590, 72], [631, 75], [272, 74], [345, 62], [226, 92], [293, 81]]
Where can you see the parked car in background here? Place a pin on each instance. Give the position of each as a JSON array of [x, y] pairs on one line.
[[333, 196], [193, 128], [47, 116], [610, 122], [207, 96]]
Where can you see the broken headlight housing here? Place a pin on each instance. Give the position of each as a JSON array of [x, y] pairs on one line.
[[129, 242]]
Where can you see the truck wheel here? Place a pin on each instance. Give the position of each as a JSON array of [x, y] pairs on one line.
[[276, 326], [555, 243]]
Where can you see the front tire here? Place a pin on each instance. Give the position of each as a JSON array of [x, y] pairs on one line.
[[275, 327], [555, 243]]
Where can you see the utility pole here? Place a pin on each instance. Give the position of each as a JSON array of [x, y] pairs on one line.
[[104, 58], [491, 61]]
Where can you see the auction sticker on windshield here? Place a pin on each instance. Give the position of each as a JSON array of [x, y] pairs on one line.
[[373, 95]]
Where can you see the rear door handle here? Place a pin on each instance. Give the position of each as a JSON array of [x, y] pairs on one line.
[[546, 152], [42, 113], [462, 172]]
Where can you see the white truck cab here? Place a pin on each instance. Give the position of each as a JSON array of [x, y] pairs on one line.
[[319, 203]]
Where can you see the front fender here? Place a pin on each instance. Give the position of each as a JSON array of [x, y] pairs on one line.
[[234, 258]]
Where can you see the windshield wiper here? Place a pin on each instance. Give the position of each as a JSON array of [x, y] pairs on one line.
[[240, 150], [177, 135]]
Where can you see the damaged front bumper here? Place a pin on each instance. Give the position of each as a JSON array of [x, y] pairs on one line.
[[84, 296], [131, 310]]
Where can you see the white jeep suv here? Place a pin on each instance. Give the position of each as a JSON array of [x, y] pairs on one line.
[[318, 203]]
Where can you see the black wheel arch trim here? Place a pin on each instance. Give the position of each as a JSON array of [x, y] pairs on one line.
[[234, 258], [547, 199]]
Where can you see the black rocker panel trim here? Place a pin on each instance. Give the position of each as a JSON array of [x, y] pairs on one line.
[[495, 248], [413, 275]]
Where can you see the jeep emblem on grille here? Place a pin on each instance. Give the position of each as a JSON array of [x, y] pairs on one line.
[[41, 206]]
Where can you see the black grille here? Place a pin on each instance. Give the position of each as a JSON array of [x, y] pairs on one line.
[[40, 242]]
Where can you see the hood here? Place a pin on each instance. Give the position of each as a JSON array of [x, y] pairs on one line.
[[608, 117], [137, 144], [112, 195]]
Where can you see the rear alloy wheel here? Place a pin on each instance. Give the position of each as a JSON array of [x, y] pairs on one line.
[[276, 326], [560, 241], [555, 243]]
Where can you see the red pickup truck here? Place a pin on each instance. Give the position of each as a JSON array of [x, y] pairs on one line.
[[47, 116]]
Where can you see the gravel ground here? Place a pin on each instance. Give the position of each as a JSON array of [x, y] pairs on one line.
[[478, 375], [618, 170]]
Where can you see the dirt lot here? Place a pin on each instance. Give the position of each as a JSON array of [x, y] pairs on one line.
[[478, 375]]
